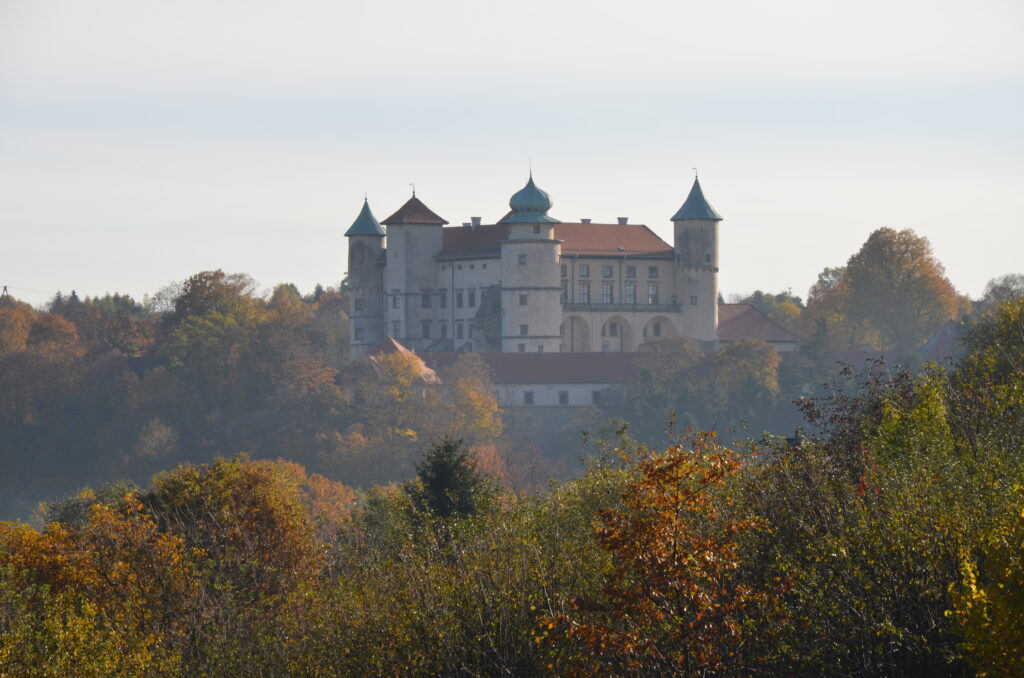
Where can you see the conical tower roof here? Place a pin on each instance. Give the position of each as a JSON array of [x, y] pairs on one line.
[[696, 206], [365, 223], [414, 212]]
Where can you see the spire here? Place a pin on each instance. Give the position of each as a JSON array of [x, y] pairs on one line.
[[696, 206], [414, 212], [365, 223], [530, 205]]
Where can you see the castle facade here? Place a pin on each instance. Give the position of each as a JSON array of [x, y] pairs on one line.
[[531, 283]]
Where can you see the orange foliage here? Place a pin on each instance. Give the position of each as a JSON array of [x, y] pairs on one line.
[[673, 604]]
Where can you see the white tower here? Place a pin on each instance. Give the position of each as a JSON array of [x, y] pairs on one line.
[[696, 249], [531, 307]]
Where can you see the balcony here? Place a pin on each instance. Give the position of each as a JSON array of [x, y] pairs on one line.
[[621, 308]]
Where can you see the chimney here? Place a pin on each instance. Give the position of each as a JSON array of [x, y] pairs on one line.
[[623, 221], [584, 221], [476, 221]]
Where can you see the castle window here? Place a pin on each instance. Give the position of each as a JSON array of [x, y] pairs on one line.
[[606, 293], [595, 397], [524, 330], [561, 330], [472, 298], [613, 329], [631, 271], [652, 294], [442, 299], [483, 265], [359, 334], [584, 293], [540, 349], [359, 304], [652, 271], [458, 331], [527, 397], [425, 299], [426, 329], [394, 300], [584, 270], [395, 328], [522, 300], [707, 258], [521, 348], [522, 260], [693, 301], [565, 271], [563, 397], [444, 330], [631, 293], [606, 271], [656, 327], [458, 299], [536, 230], [472, 267], [565, 290]]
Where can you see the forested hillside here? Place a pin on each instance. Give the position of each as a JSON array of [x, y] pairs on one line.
[[890, 542]]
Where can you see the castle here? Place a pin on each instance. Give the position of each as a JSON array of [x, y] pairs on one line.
[[531, 283]]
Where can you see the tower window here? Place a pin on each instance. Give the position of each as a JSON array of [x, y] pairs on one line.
[[472, 298], [359, 304], [606, 293], [652, 271], [425, 299], [536, 230], [442, 299], [631, 293], [426, 329], [606, 271], [565, 291], [631, 271], [394, 300], [524, 330], [522, 260], [565, 271], [652, 294], [584, 270], [693, 301], [458, 331], [707, 258], [359, 334], [522, 300], [395, 327], [584, 293], [458, 299]]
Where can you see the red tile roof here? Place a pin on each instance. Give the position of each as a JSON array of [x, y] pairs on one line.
[[579, 239], [743, 321], [610, 239], [413, 212], [550, 368]]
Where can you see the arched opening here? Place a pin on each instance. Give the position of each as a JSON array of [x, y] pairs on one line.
[[577, 334], [617, 335], [658, 327]]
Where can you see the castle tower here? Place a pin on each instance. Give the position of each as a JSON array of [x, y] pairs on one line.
[[415, 235], [365, 279], [696, 249], [530, 282]]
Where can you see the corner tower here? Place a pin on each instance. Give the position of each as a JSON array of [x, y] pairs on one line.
[[696, 249], [366, 281], [530, 281], [415, 235]]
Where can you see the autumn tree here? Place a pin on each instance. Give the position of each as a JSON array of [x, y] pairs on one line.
[[893, 294], [673, 603]]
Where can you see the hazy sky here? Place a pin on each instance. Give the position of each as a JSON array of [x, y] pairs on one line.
[[143, 141]]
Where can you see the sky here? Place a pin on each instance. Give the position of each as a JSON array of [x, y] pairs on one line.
[[144, 141]]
